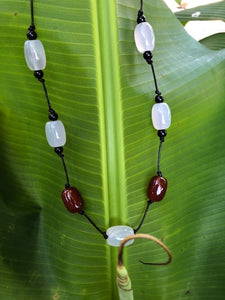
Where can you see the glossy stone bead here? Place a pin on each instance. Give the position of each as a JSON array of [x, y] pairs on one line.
[[55, 133], [116, 234], [162, 133], [35, 55], [31, 34], [157, 188], [39, 74], [53, 116], [161, 116], [72, 199], [59, 151], [144, 37]]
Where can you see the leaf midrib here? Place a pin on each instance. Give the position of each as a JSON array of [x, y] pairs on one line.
[[110, 120]]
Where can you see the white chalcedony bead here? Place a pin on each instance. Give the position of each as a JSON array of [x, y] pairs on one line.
[[144, 37], [161, 116], [35, 55], [117, 233], [55, 133]]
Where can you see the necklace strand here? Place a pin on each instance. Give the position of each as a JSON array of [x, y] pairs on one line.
[[56, 135]]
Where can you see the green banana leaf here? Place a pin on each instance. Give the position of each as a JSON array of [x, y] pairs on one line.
[[103, 91], [213, 11], [215, 41]]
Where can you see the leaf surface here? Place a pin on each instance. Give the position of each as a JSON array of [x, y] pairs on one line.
[[213, 11], [215, 41], [103, 91]]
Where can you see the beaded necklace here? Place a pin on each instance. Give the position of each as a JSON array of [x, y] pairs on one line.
[[56, 135]]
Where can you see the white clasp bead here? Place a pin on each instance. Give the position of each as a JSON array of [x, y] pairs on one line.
[[116, 235]]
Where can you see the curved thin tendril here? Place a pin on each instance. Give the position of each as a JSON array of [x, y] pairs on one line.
[[144, 236]]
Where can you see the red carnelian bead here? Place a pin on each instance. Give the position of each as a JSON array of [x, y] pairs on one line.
[[157, 188], [72, 199]]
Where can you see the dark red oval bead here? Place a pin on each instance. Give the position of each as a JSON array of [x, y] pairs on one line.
[[157, 188], [72, 199]]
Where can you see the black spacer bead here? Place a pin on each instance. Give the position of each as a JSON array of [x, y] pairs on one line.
[[148, 56], [159, 98], [67, 185], [141, 17], [159, 173], [38, 74], [31, 33], [59, 151], [162, 134], [53, 116]]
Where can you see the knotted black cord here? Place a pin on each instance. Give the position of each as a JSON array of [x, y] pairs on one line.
[[59, 150], [143, 218], [39, 75], [32, 13], [82, 212], [66, 173], [141, 17], [46, 93], [155, 80], [159, 157], [141, 6]]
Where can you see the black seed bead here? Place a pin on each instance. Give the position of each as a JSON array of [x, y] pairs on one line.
[[53, 116], [67, 185], [141, 19], [31, 35], [59, 151], [148, 56], [159, 99], [162, 134], [38, 74]]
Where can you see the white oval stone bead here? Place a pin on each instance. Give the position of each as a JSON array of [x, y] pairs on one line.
[[55, 133], [144, 37], [161, 116], [35, 55], [117, 233]]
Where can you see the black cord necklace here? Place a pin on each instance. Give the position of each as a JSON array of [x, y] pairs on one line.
[[56, 135]]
